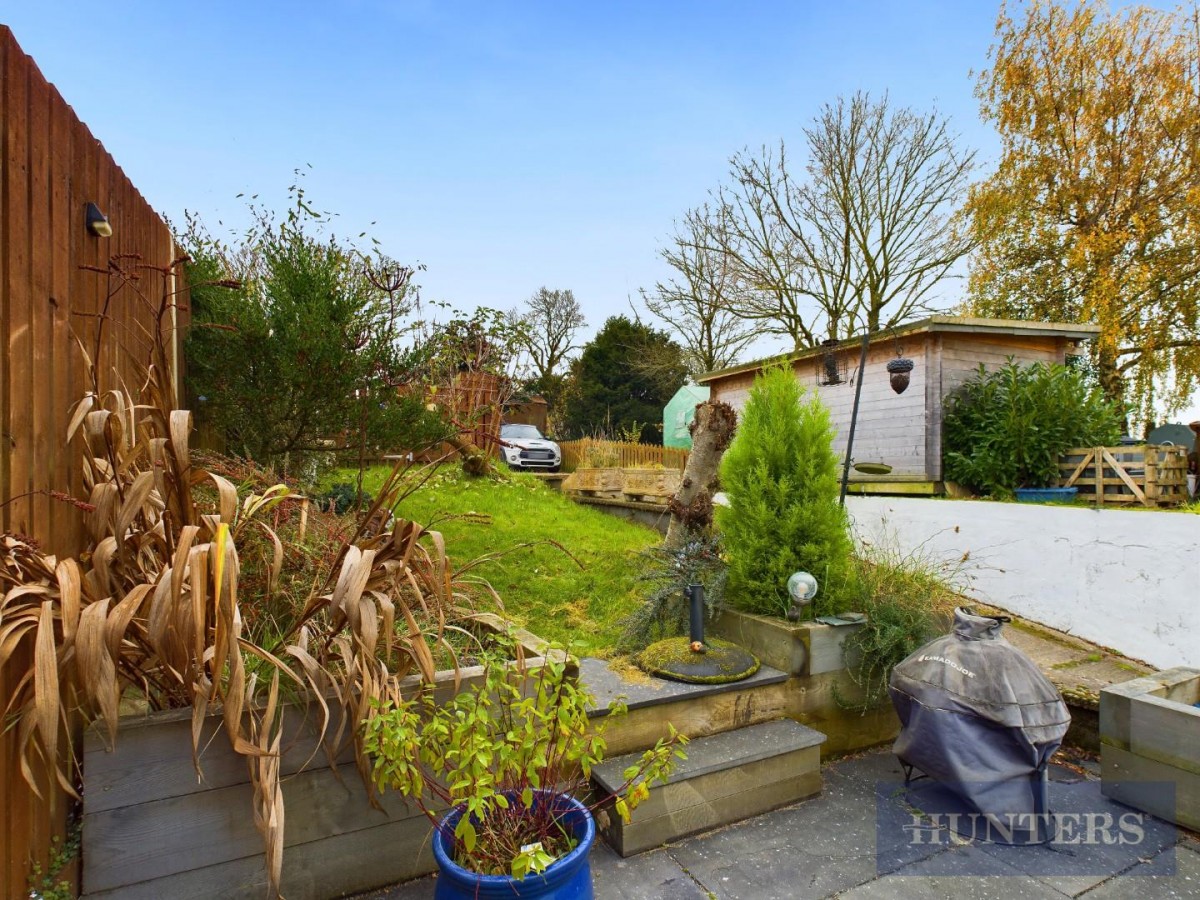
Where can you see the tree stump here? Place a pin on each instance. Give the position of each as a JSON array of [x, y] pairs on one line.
[[691, 508]]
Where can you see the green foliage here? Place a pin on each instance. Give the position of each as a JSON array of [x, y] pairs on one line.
[[907, 600], [46, 884], [666, 612], [495, 744], [1006, 429], [781, 478], [341, 498], [624, 376], [295, 344]]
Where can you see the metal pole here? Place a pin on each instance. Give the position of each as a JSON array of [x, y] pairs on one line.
[[695, 595], [862, 365]]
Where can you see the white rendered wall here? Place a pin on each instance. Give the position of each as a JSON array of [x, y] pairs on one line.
[[1127, 580]]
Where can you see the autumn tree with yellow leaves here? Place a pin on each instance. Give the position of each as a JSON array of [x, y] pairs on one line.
[[1093, 213]]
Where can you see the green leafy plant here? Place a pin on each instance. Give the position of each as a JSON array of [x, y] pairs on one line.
[[907, 600], [1006, 429], [46, 884], [341, 498], [780, 475], [493, 747]]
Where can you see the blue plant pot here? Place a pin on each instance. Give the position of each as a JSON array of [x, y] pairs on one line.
[[569, 878], [1047, 495]]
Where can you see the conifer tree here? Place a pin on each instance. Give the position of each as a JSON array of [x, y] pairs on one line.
[[780, 476]]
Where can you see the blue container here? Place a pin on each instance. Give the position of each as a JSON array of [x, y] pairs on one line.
[[1047, 495], [569, 878]]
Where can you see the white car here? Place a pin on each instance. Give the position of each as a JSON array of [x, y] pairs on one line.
[[523, 447]]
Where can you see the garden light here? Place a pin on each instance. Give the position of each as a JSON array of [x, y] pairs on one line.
[[97, 222]]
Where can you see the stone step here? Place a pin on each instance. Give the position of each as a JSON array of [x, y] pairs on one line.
[[695, 710], [726, 777]]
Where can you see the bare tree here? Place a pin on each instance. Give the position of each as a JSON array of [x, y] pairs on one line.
[[550, 322], [864, 240], [698, 303], [889, 180], [757, 227]]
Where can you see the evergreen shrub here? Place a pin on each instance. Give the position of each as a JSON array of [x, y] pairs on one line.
[[1006, 429], [780, 476]]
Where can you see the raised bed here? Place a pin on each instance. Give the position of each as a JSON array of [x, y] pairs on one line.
[[811, 654], [654, 485], [1150, 738], [152, 830]]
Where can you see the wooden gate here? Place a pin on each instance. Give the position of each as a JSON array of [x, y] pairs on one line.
[[1150, 475]]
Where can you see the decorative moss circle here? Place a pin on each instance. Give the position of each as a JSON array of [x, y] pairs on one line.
[[720, 663]]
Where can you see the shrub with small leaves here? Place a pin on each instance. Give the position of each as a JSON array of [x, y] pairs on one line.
[[493, 748], [1006, 429]]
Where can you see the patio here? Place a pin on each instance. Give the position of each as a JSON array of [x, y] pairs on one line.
[[846, 843]]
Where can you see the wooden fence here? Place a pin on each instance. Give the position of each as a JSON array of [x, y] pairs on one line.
[[1150, 475], [51, 167], [589, 452]]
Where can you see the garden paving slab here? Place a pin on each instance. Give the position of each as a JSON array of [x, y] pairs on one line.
[[647, 876], [1184, 883], [994, 880]]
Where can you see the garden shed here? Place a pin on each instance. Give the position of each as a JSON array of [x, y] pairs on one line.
[[904, 431]]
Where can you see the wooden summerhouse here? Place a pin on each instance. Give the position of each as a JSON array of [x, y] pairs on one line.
[[904, 431]]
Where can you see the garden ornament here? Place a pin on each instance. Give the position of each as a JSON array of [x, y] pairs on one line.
[[898, 372], [802, 589], [695, 660]]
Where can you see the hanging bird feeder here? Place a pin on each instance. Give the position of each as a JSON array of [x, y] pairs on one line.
[[831, 365], [898, 372]]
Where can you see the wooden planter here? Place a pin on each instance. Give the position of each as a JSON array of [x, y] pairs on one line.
[[151, 830], [652, 485], [593, 481], [1147, 475], [1150, 738]]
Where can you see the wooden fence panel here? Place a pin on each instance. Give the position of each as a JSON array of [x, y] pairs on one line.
[[589, 452], [50, 168]]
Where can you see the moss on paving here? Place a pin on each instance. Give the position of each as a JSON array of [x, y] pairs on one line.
[[671, 657]]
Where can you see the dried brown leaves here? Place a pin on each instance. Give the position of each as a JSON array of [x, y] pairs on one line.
[[154, 606]]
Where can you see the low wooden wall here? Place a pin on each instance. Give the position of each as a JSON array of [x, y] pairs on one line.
[[151, 829]]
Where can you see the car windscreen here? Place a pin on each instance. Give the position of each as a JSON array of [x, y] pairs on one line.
[[520, 432]]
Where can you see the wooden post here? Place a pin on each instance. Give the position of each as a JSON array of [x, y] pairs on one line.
[[1152, 461], [1098, 462]]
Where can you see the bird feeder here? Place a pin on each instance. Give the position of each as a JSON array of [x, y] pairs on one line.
[[898, 372]]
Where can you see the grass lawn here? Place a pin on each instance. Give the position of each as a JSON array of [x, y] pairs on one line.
[[542, 588]]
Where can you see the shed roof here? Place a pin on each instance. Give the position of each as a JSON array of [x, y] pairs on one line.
[[958, 324]]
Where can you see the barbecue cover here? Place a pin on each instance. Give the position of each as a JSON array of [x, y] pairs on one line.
[[977, 715]]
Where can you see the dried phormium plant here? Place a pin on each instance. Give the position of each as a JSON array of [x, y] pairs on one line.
[[155, 603]]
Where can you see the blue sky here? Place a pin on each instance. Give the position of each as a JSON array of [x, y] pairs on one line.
[[504, 145]]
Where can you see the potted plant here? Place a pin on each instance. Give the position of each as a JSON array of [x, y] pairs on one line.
[[511, 756]]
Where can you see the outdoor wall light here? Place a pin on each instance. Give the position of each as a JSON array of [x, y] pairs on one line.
[[97, 222]]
